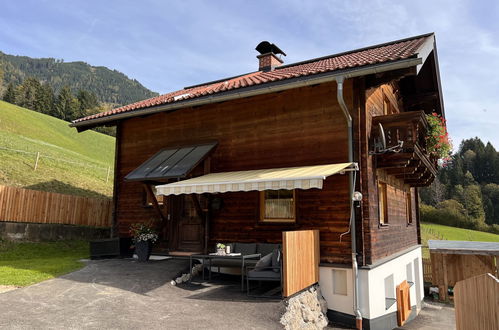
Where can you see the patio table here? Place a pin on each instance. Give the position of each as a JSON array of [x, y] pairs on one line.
[[241, 257]]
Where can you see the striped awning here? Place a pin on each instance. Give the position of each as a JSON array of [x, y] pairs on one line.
[[306, 177]]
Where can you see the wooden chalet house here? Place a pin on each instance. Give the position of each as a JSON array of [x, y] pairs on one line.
[[290, 147]]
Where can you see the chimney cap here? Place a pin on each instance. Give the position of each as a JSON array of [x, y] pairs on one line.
[[265, 47]]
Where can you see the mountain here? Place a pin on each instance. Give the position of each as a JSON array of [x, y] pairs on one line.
[[68, 162], [110, 86]]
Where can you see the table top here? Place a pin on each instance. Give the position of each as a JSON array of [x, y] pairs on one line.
[[240, 256]]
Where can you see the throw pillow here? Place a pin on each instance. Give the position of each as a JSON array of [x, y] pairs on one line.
[[265, 261]]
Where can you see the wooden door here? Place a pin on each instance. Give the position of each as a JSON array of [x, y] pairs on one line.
[[187, 227]]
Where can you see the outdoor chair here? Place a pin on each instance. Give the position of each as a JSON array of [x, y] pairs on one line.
[[266, 271]]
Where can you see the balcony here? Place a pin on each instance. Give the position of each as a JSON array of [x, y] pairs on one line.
[[411, 162]]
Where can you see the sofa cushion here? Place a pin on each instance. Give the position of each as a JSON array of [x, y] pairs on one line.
[[263, 274], [276, 260], [265, 261], [245, 248], [266, 248]]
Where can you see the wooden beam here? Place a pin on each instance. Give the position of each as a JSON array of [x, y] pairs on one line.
[[155, 203], [413, 100], [375, 80]]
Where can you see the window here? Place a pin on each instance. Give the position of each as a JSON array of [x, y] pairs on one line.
[[408, 270], [382, 203], [389, 292], [409, 207], [340, 282], [148, 200], [277, 206]]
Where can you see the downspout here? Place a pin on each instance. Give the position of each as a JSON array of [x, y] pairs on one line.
[[355, 274]]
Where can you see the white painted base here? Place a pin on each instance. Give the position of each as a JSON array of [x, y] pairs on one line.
[[376, 284]]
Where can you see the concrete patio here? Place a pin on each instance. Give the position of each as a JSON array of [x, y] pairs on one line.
[[125, 294]]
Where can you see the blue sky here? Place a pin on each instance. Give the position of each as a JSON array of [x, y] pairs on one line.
[[168, 45]]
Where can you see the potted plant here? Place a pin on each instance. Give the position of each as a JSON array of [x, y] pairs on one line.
[[220, 248], [438, 143], [143, 237]]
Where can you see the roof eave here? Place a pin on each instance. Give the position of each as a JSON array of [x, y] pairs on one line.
[[266, 88]]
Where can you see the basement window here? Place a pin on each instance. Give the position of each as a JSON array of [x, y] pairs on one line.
[[277, 206], [382, 203], [340, 282], [389, 292]]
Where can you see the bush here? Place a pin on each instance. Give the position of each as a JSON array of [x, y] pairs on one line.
[[449, 213], [452, 213]]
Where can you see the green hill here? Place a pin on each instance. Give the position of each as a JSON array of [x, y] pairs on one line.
[[110, 86], [431, 231], [69, 162]]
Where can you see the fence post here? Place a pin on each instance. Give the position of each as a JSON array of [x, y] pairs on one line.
[[36, 161], [108, 172]]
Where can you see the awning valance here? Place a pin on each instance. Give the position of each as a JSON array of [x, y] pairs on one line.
[[306, 177], [171, 163]]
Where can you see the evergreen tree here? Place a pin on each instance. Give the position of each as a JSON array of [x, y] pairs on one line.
[[45, 99], [488, 165], [26, 93], [490, 193], [10, 94], [87, 101], [66, 106]]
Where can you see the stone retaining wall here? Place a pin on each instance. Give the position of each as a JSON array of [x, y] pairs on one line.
[[15, 231], [306, 310]]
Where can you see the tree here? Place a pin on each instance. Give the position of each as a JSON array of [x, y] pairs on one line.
[[45, 99], [87, 102], [10, 94], [490, 193], [474, 144], [488, 165], [433, 194], [472, 201], [26, 93], [66, 105]]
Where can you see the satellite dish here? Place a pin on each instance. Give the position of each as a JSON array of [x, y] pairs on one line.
[[380, 143], [382, 138]]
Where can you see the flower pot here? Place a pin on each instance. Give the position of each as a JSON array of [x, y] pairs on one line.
[[143, 250]]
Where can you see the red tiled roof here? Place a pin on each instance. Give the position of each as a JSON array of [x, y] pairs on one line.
[[396, 50]]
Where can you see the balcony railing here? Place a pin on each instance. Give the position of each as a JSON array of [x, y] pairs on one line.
[[412, 162]]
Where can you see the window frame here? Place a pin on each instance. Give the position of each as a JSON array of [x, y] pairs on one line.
[[408, 205], [262, 218], [382, 186]]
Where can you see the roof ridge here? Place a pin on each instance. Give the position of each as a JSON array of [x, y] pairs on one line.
[[354, 51]]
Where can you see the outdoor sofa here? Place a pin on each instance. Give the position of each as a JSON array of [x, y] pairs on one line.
[[250, 255]]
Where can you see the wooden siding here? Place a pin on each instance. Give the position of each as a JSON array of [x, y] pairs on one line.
[[397, 235], [24, 205], [300, 260], [476, 301], [293, 128], [448, 269]]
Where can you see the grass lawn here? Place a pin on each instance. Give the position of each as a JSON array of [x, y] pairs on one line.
[[23, 264], [431, 231], [70, 162]]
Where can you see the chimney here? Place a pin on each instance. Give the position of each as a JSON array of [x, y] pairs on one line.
[[268, 60]]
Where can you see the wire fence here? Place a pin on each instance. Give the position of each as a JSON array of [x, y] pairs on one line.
[[108, 171]]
